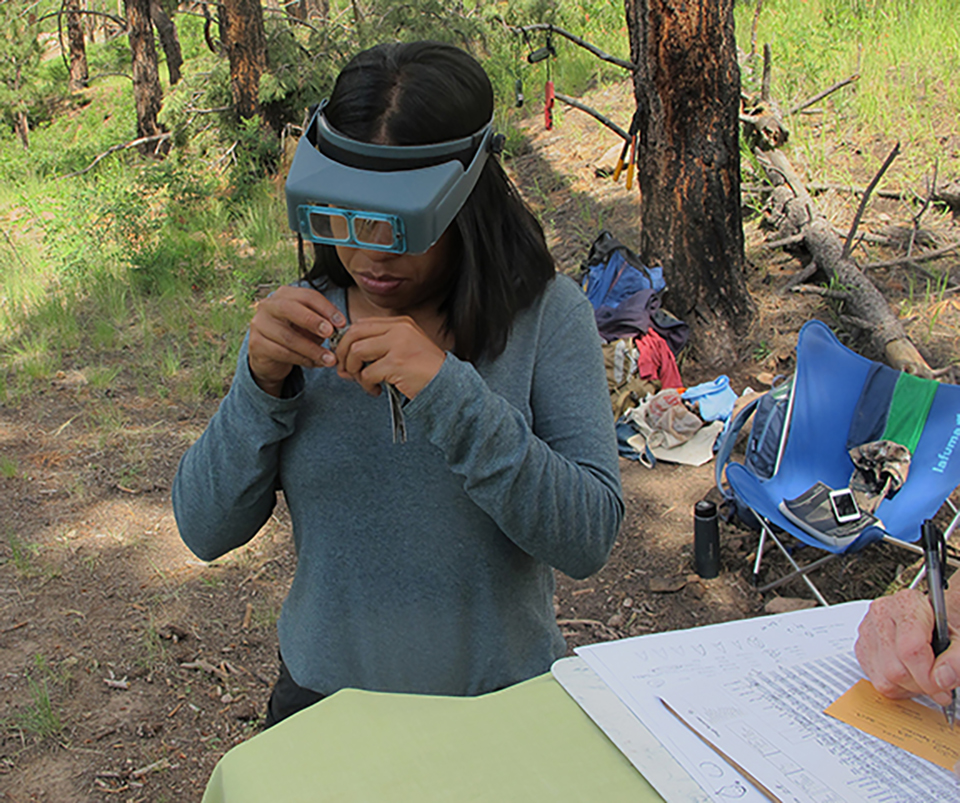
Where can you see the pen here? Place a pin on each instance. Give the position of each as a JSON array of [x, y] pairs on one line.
[[933, 555]]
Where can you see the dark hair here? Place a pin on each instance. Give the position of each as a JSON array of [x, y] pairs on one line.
[[424, 92]]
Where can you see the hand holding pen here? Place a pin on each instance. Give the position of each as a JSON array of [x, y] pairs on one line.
[[895, 651], [934, 554]]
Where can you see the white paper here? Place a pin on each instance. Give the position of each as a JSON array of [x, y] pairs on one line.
[[757, 688]]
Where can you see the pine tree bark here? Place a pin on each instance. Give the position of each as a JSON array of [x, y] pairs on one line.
[[147, 94], [79, 74], [246, 46], [169, 41], [687, 86]]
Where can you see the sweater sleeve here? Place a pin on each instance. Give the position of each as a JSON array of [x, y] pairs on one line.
[[554, 487], [225, 487]]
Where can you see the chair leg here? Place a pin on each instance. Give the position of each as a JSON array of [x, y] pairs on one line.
[[798, 571], [756, 563]]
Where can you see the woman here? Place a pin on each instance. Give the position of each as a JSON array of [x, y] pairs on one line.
[[423, 566]]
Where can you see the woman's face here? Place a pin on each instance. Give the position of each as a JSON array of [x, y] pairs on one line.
[[399, 284]]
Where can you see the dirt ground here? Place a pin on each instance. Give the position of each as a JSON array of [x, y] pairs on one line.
[[128, 667]]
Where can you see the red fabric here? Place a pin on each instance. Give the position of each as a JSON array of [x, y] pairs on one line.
[[656, 361], [548, 96]]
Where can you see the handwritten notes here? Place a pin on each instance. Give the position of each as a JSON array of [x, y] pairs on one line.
[[757, 689], [910, 725]]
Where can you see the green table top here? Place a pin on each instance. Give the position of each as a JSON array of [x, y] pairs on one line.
[[530, 742]]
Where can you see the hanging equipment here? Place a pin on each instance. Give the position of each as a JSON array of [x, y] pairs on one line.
[[546, 53]]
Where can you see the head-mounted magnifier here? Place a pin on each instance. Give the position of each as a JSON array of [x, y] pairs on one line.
[[397, 198]]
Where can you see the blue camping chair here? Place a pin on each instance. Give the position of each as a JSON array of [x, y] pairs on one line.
[[829, 378]]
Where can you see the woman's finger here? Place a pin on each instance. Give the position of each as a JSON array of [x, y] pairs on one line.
[[272, 338]]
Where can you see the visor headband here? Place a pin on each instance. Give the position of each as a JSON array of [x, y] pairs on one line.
[[370, 156]]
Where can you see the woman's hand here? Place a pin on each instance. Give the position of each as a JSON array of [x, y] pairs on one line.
[[894, 647], [394, 350], [287, 330]]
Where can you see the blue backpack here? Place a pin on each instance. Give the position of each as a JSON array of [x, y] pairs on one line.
[[612, 272], [768, 436]]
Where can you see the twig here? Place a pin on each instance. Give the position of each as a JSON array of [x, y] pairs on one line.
[[848, 245], [800, 277], [14, 627], [926, 204], [162, 764], [792, 240], [821, 95], [767, 70], [922, 258], [593, 113], [546, 26], [256, 575], [132, 144], [13, 248], [591, 622], [206, 666]]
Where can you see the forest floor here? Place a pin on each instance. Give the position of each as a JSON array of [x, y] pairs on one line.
[[128, 667]]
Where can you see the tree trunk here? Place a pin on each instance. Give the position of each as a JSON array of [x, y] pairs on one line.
[[246, 45], [687, 86], [317, 9], [79, 75], [23, 129], [21, 125], [146, 80], [169, 40]]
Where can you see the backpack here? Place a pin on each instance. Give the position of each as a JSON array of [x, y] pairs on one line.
[[612, 272], [768, 436]]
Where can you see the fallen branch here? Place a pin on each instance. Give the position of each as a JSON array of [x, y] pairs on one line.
[[595, 114], [791, 210], [922, 258], [848, 245], [132, 144], [821, 95]]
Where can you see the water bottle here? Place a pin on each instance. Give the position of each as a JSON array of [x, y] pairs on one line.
[[706, 539]]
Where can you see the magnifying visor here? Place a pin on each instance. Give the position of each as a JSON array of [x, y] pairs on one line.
[[396, 198]]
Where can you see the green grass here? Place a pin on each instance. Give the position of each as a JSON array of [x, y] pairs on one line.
[[8, 467], [22, 555], [907, 55], [38, 716], [142, 272]]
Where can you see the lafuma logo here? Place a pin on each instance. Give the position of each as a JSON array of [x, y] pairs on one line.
[[944, 457]]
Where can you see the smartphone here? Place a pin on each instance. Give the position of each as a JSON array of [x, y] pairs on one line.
[[844, 506]]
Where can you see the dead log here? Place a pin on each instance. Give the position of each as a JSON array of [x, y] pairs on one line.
[[792, 211], [797, 214]]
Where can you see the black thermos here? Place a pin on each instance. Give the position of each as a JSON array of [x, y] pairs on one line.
[[706, 539]]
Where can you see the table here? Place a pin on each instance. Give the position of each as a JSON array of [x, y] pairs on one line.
[[530, 742]]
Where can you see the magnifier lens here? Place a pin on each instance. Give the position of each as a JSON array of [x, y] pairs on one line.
[[329, 226], [369, 231]]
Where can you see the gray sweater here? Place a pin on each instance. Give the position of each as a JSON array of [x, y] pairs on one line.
[[425, 566]]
